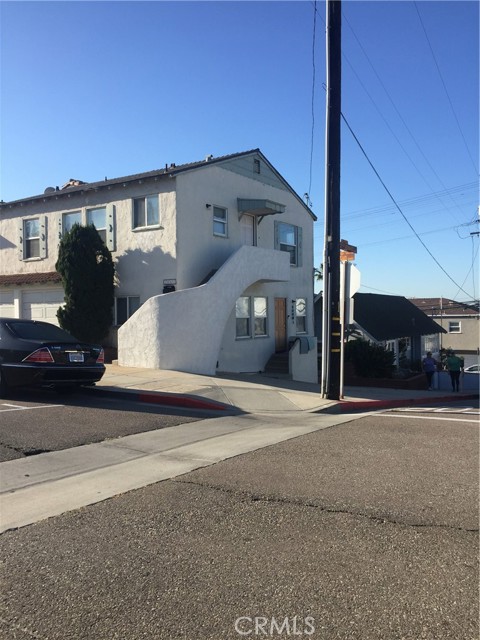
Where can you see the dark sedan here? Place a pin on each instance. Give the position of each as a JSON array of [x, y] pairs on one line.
[[41, 354]]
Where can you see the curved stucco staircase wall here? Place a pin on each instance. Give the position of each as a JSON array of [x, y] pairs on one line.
[[183, 330]]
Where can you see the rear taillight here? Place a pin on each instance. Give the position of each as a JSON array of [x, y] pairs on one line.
[[40, 355], [101, 357]]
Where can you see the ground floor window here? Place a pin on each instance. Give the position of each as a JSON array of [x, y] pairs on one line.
[[260, 316], [242, 316], [251, 313], [125, 307], [301, 315]]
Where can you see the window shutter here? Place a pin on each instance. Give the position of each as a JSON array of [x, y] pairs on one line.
[[20, 240], [60, 228], [42, 223], [276, 242], [110, 233], [299, 247]]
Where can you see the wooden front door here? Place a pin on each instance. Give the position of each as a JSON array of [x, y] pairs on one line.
[[280, 325]]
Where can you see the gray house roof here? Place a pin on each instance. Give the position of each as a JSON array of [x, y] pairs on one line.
[[446, 307], [390, 317]]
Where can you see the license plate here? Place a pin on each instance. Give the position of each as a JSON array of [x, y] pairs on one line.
[[76, 357]]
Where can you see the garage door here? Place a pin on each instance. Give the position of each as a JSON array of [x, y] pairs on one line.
[[42, 304], [7, 304]]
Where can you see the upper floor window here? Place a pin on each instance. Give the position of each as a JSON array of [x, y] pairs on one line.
[[146, 212], [31, 246], [98, 217], [102, 218], [220, 222], [32, 238], [454, 326], [288, 237], [69, 219], [301, 315]]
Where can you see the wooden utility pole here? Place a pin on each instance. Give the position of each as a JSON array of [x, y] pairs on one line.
[[331, 335]]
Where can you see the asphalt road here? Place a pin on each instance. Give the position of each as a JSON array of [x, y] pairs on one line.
[[367, 530], [43, 421]]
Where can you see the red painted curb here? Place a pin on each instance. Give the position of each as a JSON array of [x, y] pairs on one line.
[[179, 401], [404, 402]]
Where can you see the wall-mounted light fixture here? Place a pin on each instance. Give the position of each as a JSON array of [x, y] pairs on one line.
[[208, 206]]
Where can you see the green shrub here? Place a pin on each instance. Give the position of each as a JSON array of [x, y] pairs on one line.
[[87, 271], [370, 360]]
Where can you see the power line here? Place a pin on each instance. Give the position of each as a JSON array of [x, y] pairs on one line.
[[313, 95], [445, 87], [398, 112], [416, 201], [399, 209]]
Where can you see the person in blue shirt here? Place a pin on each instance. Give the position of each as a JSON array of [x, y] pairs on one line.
[[429, 366]]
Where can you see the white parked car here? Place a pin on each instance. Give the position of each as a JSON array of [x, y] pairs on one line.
[[474, 368]]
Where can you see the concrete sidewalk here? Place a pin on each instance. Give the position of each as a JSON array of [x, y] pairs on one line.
[[253, 393]]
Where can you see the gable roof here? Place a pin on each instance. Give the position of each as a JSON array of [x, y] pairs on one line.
[[445, 307], [169, 171], [390, 317]]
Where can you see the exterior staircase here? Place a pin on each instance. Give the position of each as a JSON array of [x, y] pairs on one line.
[[278, 365]]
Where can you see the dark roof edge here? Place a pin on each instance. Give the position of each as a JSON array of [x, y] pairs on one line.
[[171, 171]]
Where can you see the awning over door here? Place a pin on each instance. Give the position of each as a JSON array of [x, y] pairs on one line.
[[259, 207]]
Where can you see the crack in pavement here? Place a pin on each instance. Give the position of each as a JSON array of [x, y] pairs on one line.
[[254, 497]]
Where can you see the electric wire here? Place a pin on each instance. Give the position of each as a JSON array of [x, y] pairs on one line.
[[399, 142], [313, 96], [398, 207], [397, 110], [445, 87], [471, 270], [417, 201]]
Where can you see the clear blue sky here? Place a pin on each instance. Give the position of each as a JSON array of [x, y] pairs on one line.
[[95, 89]]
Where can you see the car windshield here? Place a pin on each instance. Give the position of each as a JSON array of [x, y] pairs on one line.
[[40, 331]]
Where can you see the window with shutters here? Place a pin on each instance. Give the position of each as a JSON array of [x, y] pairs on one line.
[[32, 238], [69, 219], [98, 217], [102, 218]]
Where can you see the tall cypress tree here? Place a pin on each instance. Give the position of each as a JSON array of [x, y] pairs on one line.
[[86, 267]]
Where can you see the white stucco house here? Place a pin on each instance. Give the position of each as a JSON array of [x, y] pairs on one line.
[[214, 263]]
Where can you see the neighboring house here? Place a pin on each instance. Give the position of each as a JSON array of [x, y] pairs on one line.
[[391, 321], [214, 262], [460, 321]]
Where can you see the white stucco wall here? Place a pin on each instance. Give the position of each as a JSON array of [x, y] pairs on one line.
[[144, 258], [183, 330]]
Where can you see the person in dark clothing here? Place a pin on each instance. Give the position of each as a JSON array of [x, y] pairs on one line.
[[429, 366], [454, 366]]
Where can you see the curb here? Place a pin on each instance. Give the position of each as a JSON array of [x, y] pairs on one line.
[[358, 405], [165, 399]]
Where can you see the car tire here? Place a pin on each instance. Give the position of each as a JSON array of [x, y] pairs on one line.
[[66, 390], [3, 386]]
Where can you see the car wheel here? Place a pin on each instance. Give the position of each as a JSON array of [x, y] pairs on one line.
[[3, 386], [66, 390]]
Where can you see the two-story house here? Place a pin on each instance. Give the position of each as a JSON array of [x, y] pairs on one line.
[[214, 262], [461, 323]]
